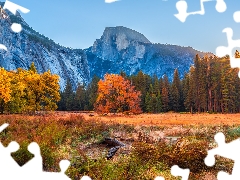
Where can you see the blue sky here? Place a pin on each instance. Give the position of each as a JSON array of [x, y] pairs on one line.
[[77, 23]]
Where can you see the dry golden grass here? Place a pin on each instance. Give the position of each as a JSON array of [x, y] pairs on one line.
[[168, 119], [146, 119]]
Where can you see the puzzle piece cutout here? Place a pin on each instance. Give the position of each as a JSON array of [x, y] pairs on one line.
[[222, 50], [86, 178], [110, 1], [12, 7], [159, 178], [32, 169], [228, 150], [182, 6], [177, 171]]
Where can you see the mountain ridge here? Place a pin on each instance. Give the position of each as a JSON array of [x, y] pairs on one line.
[[119, 48]]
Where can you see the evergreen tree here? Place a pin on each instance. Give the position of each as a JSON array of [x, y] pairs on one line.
[[185, 89], [142, 83], [189, 94], [159, 102], [176, 92], [148, 102], [91, 92], [68, 96], [80, 98], [165, 94]]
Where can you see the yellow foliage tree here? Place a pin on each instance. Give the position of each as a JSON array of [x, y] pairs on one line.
[[115, 94], [28, 91], [5, 90], [42, 91], [18, 86]]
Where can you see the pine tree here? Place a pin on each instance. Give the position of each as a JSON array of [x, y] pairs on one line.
[[165, 94], [189, 100], [142, 83], [175, 98], [68, 96], [185, 89], [148, 102], [91, 92], [176, 92], [159, 102], [155, 82], [80, 98]]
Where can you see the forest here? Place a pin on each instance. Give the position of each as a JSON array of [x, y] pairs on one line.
[[211, 85]]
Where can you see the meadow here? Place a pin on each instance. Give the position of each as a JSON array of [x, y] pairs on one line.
[[153, 142]]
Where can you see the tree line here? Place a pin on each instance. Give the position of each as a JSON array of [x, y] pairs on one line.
[[26, 91], [211, 85]]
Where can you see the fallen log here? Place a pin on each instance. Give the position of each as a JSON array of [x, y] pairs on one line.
[[115, 144], [112, 152]]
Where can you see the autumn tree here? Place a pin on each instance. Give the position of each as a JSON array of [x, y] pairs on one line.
[[18, 92], [116, 94], [27, 91], [5, 88]]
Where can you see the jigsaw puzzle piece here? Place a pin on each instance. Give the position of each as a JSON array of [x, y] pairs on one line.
[[223, 176], [35, 164], [182, 11], [7, 164], [64, 164], [176, 171], [4, 126], [12, 7], [182, 6], [159, 178], [236, 16], [3, 47], [222, 51], [221, 6], [86, 178], [228, 150]]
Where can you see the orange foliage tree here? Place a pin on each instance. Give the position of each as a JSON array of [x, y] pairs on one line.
[[115, 94]]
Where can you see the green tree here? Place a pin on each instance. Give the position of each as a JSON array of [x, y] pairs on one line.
[[80, 98], [189, 94], [165, 94], [176, 92], [91, 92]]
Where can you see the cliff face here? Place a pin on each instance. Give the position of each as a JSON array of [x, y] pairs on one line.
[[29, 46], [124, 49], [119, 48]]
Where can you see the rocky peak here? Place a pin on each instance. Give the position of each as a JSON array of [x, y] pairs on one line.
[[116, 40], [120, 32]]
